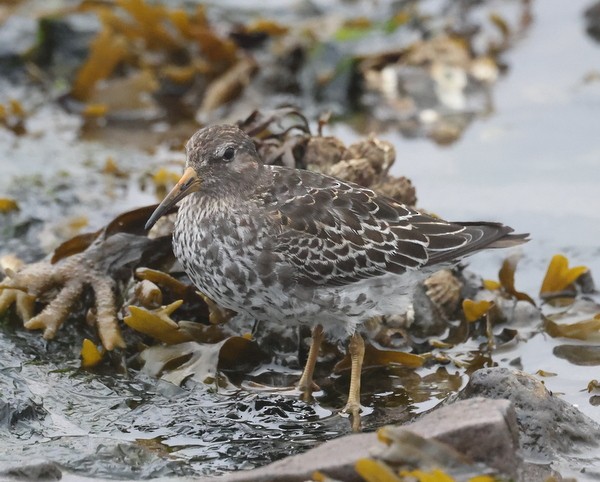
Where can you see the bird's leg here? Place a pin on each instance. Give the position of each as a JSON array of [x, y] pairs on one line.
[[306, 384], [216, 314], [356, 348]]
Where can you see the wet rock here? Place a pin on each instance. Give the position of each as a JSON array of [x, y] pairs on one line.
[[592, 21], [484, 430], [478, 430], [586, 282], [17, 41], [331, 83], [472, 283], [517, 313], [580, 355], [20, 409], [551, 430], [34, 470], [335, 458], [66, 41]]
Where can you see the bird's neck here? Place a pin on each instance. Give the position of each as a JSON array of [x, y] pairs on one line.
[[229, 194]]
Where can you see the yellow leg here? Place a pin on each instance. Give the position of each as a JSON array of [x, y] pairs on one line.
[[306, 384], [356, 348]]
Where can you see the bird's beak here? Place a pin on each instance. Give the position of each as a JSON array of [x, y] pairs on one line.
[[189, 183]]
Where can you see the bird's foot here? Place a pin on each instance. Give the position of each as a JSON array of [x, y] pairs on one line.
[[306, 390], [353, 410]]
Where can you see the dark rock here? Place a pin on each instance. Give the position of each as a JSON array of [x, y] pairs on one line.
[[428, 319], [65, 41], [578, 354], [586, 280], [17, 41], [592, 21], [551, 430], [332, 67]]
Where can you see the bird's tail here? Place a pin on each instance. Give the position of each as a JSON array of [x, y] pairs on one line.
[[483, 235]]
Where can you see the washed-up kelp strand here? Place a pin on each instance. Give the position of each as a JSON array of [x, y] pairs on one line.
[[74, 245], [158, 323], [491, 285], [262, 124], [228, 86], [200, 361], [143, 40], [24, 302], [560, 276], [474, 310], [71, 276], [507, 278], [8, 205], [588, 330], [196, 305], [165, 281], [106, 52], [402, 451], [13, 116], [131, 222], [91, 355], [376, 357]]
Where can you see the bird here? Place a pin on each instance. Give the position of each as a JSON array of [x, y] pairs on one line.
[[297, 247]]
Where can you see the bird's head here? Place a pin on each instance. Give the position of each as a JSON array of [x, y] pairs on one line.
[[220, 160]]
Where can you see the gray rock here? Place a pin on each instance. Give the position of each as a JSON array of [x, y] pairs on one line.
[[428, 318], [35, 470], [20, 410], [581, 355], [17, 40], [65, 41], [552, 431], [483, 430], [335, 458]]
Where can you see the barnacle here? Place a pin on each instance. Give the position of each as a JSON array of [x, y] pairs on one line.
[[443, 289]]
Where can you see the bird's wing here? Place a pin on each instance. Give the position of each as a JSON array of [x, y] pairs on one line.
[[335, 233]]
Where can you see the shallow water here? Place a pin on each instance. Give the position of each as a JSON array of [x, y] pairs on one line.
[[533, 164]]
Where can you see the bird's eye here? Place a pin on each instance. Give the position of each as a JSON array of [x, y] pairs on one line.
[[228, 153]]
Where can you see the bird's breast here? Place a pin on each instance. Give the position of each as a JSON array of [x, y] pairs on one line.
[[218, 248]]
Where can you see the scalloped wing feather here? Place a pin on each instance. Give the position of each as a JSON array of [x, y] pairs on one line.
[[336, 233]]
